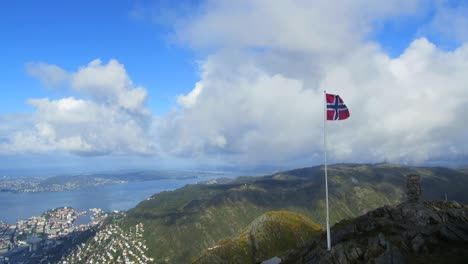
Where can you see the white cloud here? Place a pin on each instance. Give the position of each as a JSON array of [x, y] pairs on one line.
[[261, 87], [260, 96], [108, 83], [405, 107], [50, 75], [308, 26], [190, 99], [243, 117], [84, 127], [111, 117]]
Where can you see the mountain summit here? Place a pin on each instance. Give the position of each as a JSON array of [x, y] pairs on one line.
[[412, 232], [427, 232]]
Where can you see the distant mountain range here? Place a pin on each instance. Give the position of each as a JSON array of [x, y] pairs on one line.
[[181, 224]]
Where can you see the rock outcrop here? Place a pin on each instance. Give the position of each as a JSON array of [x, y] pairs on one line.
[[427, 232], [413, 188]]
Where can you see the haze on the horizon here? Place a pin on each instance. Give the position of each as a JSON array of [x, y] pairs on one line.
[[209, 84]]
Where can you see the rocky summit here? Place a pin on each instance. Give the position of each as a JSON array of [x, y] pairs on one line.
[[412, 232]]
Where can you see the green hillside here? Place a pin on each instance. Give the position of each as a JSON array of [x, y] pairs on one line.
[[269, 235], [180, 224]]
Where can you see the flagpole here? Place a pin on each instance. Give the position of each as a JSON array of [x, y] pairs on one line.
[[325, 162]]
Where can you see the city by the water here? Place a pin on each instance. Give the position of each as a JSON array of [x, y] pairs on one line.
[[18, 206], [38, 225]]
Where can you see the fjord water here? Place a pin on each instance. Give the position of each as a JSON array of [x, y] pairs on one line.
[[15, 206]]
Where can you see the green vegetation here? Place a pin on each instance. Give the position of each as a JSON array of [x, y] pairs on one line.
[[181, 224], [271, 234]]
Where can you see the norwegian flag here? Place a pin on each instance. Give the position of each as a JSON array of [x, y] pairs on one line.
[[336, 109]]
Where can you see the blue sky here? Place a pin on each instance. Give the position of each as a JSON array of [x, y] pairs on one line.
[[202, 96], [70, 34]]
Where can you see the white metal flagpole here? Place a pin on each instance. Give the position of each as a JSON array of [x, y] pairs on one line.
[[325, 162]]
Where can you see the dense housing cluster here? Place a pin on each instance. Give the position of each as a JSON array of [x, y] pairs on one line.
[[40, 237], [112, 245]]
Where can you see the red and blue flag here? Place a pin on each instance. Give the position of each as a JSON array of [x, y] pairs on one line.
[[336, 109]]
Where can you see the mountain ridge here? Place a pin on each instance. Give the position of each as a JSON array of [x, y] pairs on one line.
[[207, 213]]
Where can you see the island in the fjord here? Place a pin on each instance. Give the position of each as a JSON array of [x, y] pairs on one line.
[[75, 182]]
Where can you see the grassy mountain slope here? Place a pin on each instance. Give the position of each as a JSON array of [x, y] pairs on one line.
[[182, 223], [269, 235]]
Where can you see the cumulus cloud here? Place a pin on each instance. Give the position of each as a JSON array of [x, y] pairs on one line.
[[259, 99], [109, 118], [407, 108], [108, 83], [316, 26], [260, 95]]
